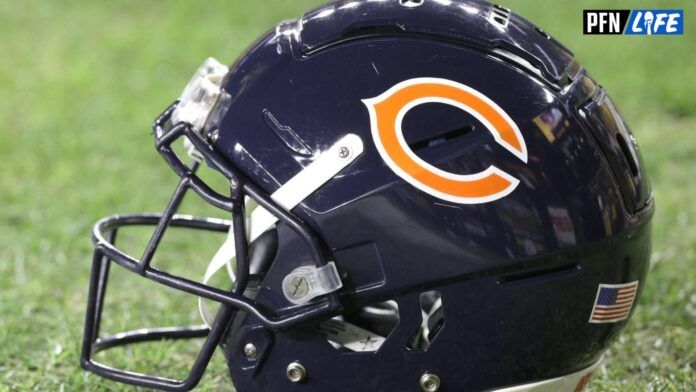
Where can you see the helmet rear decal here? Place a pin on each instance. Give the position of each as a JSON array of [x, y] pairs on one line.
[[386, 115]]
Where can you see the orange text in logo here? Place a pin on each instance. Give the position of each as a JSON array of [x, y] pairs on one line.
[[386, 115]]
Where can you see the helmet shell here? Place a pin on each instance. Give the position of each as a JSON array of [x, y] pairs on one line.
[[518, 275]]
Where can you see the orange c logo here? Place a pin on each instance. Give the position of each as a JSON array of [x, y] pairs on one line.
[[387, 112]]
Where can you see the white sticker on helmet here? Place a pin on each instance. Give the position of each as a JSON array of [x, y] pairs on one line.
[[350, 336]]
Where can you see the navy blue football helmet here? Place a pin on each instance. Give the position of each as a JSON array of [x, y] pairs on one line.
[[423, 195]]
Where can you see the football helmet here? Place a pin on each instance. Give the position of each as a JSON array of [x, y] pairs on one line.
[[423, 195]]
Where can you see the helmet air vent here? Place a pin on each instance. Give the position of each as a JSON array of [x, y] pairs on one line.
[[499, 16]]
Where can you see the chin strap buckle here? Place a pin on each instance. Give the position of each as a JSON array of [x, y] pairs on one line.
[[308, 282]]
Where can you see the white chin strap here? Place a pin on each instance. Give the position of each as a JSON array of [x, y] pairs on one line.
[[327, 165]]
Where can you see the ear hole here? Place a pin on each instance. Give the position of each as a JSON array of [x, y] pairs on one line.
[[433, 312], [362, 331]]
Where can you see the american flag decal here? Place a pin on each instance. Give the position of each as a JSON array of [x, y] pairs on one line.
[[613, 302]]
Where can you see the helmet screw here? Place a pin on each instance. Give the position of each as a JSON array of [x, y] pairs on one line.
[[296, 372], [297, 287], [234, 183], [214, 135], [430, 382], [250, 351], [344, 152]]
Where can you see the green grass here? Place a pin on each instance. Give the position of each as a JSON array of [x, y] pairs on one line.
[[79, 86]]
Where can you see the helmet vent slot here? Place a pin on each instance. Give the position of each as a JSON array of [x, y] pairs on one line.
[[440, 138], [433, 312], [499, 16], [541, 274], [628, 154], [439, 134], [619, 149]]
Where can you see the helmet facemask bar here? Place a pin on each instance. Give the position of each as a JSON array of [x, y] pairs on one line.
[[104, 235]]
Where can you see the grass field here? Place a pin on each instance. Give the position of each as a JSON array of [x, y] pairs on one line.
[[80, 83]]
